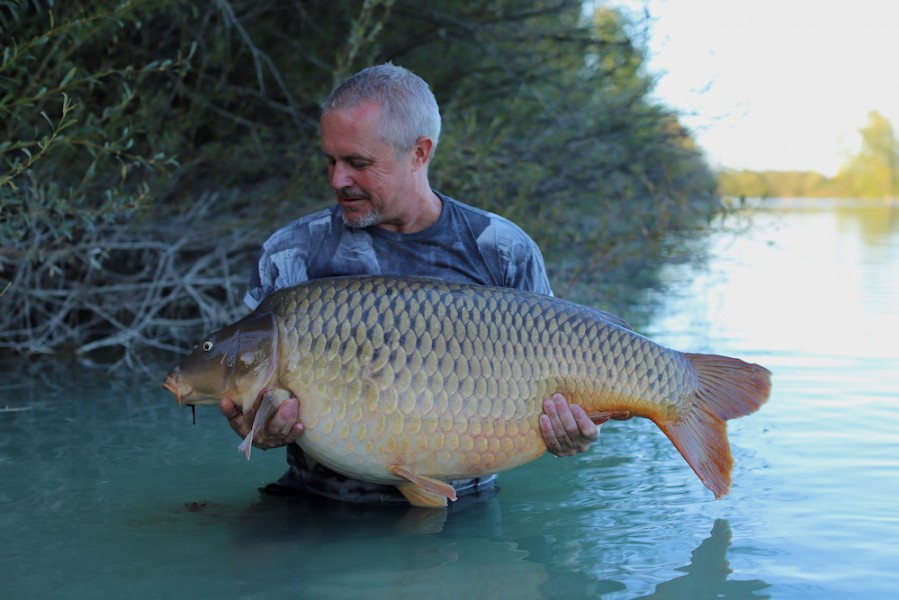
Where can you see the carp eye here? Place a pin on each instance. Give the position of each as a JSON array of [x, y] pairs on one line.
[[208, 345]]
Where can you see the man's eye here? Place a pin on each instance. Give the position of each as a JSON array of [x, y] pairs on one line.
[[359, 164]]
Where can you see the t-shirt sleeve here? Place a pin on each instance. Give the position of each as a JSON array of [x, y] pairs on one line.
[[525, 269], [286, 257], [276, 268], [520, 259]]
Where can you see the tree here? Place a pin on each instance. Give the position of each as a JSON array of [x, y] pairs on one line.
[[874, 171]]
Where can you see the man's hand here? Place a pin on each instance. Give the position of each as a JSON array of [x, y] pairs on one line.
[[282, 429], [566, 428]]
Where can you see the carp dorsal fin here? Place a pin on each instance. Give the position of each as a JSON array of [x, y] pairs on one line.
[[422, 490], [613, 319]]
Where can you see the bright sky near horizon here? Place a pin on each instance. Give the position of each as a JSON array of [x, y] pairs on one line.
[[775, 84]]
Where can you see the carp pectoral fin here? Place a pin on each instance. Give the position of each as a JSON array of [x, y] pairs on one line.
[[271, 400], [246, 445], [601, 416], [422, 490]]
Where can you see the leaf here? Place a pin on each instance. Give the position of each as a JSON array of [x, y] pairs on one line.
[[68, 77]]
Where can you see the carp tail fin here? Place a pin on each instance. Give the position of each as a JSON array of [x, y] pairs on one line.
[[728, 388]]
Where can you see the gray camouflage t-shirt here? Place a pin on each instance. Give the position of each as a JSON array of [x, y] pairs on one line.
[[466, 245]]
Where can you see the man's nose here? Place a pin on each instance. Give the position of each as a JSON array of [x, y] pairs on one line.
[[339, 176]]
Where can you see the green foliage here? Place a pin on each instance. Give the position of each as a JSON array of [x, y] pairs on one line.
[[775, 184], [872, 173], [118, 116], [78, 146]]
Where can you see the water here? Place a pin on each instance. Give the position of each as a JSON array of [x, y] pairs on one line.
[[108, 491]]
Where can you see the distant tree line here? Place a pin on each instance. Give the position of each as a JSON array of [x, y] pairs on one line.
[[872, 173], [149, 146]]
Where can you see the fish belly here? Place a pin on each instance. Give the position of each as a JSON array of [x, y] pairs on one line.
[[447, 379]]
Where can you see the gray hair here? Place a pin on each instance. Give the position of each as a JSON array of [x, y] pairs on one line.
[[408, 106]]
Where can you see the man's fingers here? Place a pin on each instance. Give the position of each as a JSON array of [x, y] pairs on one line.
[[587, 428], [566, 428], [282, 429], [284, 425], [549, 435], [564, 413], [227, 408], [238, 420], [554, 428]]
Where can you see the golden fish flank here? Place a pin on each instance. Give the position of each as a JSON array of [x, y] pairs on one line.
[[415, 381]]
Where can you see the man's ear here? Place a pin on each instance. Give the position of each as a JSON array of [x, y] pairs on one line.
[[421, 152]]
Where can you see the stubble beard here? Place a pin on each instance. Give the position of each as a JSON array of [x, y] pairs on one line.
[[360, 220], [357, 218]]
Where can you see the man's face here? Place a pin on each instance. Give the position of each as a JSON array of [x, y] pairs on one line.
[[370, 182]]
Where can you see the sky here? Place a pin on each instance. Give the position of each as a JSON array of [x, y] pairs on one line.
[[775, 84]]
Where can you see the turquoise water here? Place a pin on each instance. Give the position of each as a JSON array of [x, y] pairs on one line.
[[107, 490]]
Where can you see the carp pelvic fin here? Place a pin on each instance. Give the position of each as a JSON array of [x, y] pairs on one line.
[[423, 491], [728, 388]]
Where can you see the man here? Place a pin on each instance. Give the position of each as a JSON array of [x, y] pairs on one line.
[[379, 131]]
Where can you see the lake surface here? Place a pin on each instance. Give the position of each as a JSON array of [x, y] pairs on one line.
[[107, 490]]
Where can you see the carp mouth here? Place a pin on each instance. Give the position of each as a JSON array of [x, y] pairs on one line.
[[180, 389], [174, 384]]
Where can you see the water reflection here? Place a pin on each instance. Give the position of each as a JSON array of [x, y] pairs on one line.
[[321, 548], [307, 544], [708, 571]]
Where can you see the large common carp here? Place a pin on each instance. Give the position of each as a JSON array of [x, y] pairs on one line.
[[415, 382]]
